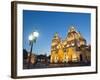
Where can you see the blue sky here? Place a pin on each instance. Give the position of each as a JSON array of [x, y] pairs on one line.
[[47, 23]]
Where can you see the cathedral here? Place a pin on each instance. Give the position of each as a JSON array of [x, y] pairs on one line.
[[73, 48]]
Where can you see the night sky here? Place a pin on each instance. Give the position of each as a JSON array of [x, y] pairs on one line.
[[47, 23]]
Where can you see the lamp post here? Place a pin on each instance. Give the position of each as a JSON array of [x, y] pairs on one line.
[[32, 39]]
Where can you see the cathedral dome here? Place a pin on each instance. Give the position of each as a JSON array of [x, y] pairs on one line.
[[56, 39]]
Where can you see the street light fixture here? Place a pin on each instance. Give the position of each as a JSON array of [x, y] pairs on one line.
[[36, 34], [32, 39], [33, 36]]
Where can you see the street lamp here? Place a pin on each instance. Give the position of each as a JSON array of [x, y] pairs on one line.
[[32, 39]]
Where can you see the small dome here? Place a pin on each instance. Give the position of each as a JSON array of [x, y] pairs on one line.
[[71, 29]]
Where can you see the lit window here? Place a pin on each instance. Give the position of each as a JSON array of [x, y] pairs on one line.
[[73, 44], [67, 45]]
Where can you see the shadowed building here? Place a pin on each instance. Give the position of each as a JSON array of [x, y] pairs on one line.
[[72, 49], [33, 58]]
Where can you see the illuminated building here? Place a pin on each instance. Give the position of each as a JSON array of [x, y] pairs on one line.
[[72, 49]]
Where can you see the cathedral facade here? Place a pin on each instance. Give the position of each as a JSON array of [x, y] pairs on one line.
[[73, 48]]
